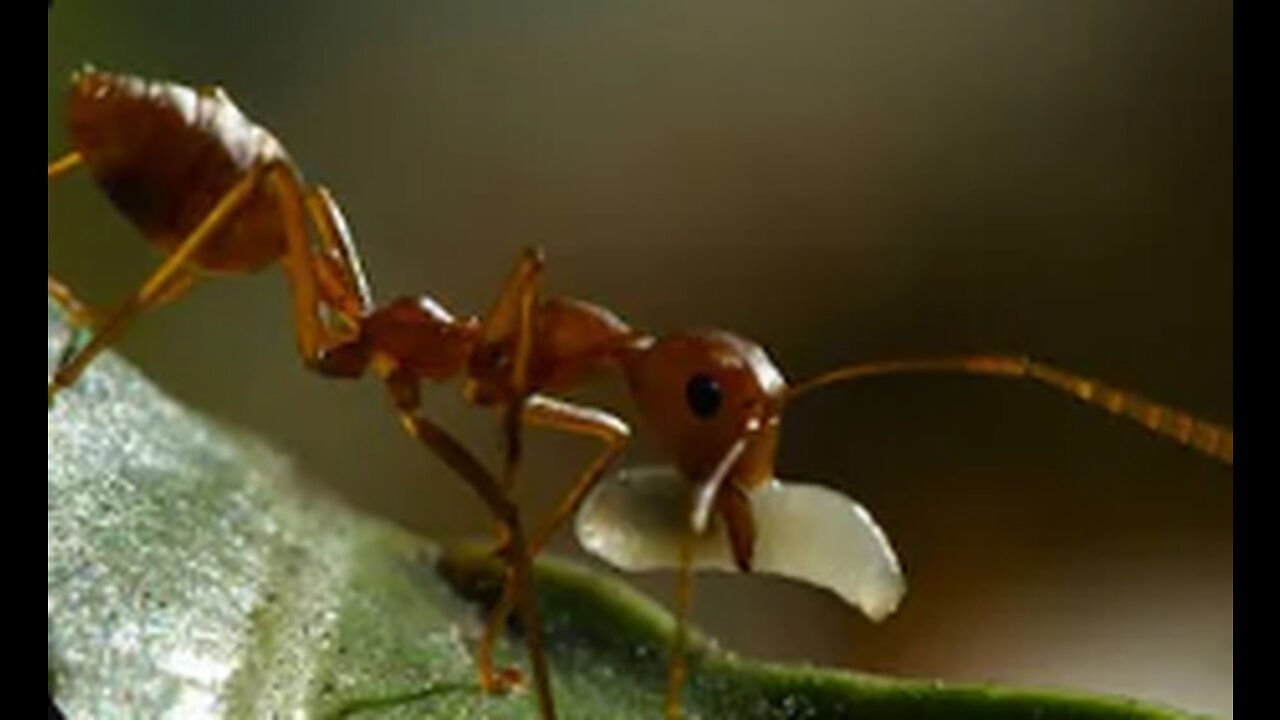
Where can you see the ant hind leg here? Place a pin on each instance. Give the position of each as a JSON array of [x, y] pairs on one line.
[[338, 268], [77, 312], [64, 164], [169, 278]]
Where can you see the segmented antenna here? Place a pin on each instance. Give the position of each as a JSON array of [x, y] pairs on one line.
[[1216, 441]]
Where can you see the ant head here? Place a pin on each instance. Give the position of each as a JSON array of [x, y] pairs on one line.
[[714, 400]]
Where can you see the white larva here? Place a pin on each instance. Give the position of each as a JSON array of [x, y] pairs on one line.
[[636, 519]]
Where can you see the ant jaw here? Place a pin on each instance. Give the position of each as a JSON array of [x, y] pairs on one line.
[[706, 492], [637, 520]]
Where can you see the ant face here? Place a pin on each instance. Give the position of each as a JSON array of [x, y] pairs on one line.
[[709, 395]]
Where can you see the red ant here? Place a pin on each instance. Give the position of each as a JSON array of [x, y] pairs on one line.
[[219, 194]]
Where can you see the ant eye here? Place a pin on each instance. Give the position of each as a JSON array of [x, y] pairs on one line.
[[703, 396]]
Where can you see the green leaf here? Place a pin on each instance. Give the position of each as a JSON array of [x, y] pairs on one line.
[[193, 574]]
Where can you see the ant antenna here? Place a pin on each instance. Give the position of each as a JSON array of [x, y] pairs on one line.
[[1216, 441]]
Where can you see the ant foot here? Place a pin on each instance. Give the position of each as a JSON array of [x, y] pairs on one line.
[[503, 681], [503, 550]]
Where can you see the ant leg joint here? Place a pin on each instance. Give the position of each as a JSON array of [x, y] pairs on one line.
[[535, 255]]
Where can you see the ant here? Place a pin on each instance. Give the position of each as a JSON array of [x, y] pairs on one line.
[[219, 194]]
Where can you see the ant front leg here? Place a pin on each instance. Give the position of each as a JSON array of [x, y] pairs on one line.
[[567, 417]]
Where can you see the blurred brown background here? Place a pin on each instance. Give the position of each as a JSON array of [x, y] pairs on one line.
[[842, 181]]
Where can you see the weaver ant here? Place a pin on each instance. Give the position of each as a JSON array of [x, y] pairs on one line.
[[714, 399]]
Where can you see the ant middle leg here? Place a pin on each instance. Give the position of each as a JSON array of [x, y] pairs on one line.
[[462, 462], [507, 332], [508, 326]]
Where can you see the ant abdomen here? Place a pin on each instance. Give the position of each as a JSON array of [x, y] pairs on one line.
[[166, 154]]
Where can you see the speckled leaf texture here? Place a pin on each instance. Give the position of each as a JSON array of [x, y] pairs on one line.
[[193, 574]]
